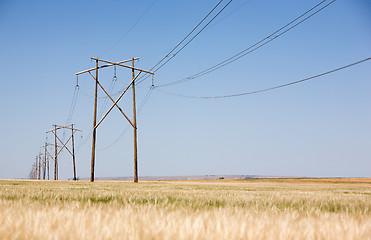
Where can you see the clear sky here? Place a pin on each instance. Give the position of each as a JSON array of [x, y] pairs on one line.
[[321, 127]]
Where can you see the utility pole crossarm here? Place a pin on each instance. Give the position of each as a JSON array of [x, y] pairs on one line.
[[68, 127], [52, 130], [119, 64], [104, 66], [52, 144]]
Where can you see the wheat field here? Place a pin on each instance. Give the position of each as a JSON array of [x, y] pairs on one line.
[[256, 209]]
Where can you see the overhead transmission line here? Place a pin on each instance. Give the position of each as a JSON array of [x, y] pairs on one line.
[[170, 55], [172, 50], [130, 29], [141, 79], [77, 88], [289, 26], [72, 107], [73, 103], [114, 80], [271, 88], [230, 13]]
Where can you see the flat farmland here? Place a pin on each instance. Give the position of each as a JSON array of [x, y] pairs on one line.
[[320, 208]]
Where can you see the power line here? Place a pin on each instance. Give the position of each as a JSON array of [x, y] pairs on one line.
[[130, 29], [271, 88], [169, 58], [270, 38], [255, 46], [193, 37], [172, 50], [74, 99], [230, 13], [76, 91], [144, 77], [85, 140], [173, 55]]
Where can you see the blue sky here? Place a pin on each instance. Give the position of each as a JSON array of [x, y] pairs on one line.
[[316, 128]]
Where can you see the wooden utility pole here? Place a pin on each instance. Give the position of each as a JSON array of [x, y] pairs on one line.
[[48, 170], [36, 170], [55, 154], [94, 124], [44, 165], [46, 160], [133, 124], [54, 131], [33, 173], [73, 154], [39, 157], [48, 156], [45, 157]]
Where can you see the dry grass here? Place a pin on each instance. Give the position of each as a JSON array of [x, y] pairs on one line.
[[185, 210]]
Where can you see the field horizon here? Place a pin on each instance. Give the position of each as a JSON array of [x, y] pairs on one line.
[[226, 179], [211, 177]]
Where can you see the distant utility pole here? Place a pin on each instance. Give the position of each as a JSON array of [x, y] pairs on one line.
[[47, 156], [73, 153], [33, 173], [39, 167], [36, 166], [133, 124], [42, 166], [57, 152]]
